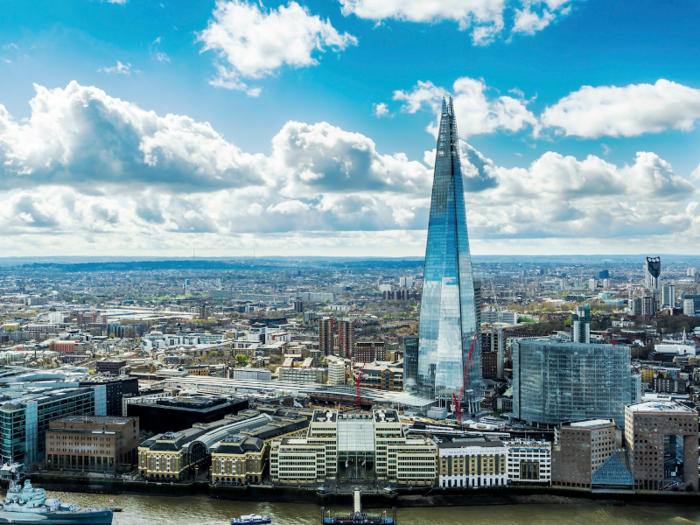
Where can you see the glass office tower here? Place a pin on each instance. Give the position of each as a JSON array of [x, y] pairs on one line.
[[448, 317]]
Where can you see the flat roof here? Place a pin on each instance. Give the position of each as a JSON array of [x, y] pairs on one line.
[[659, 406], [592, 423]]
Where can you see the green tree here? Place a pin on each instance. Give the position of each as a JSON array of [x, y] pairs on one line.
[[241, 360]]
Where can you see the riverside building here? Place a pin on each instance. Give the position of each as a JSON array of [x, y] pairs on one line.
[[448, 317], [348, 447], [581, 448], [472, 462]]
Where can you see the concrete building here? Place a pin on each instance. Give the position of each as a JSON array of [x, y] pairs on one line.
[[368, 351], [348, 446], [382, 375], [336, 370], [325, 336], [107, 366], [472, 462], [301, 375], [99, 443], [688, 307], [581, 325], [650, 428], [668, 296], [581, 447], [115, 390], [256, 374], [528, 462], [346, 337]]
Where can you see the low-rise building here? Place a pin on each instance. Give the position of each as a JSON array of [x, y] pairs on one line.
[[472, 462], [336, 370], [529, 462], [99, 443], [255, 374], [301, 375]]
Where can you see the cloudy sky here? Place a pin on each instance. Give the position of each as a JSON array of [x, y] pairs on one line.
[[152, 127]]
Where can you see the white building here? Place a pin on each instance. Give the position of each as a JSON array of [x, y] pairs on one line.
[[406, 282], [668, 295], [529, 461], [472, 462], [592, 284], [688, 307], [336, 370]]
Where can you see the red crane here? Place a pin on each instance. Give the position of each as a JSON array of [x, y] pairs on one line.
[[458, 402], [335, 325]]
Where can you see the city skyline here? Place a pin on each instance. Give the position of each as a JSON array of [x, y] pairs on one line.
[[306, 128]]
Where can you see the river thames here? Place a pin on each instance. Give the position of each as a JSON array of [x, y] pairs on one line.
[[200, 510]]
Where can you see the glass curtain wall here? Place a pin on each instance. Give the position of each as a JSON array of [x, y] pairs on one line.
[[448, 319]]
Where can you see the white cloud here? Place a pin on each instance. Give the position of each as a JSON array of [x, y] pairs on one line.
[[625, 111], [119, 69], [529, 22], [696, 174], [163, 57], [381, 110], [89, 173], [476, 113], [484, 17], [255, 41], [121, 2]]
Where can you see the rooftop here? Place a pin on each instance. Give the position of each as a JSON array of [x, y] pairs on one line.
[[591, 423], [660, 406]]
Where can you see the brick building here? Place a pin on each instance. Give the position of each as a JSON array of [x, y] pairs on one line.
[[369, 351], [581, 448]]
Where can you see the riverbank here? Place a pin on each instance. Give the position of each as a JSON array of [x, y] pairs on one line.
[[371, 497]]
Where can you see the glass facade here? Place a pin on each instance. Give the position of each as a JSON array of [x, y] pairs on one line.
[[556, 381], [448, 317]]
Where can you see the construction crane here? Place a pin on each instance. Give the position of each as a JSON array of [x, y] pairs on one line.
[[336, 328], [458, 402]]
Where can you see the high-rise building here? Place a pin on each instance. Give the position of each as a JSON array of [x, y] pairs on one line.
[[581, 448], [410, 363], [668, 295], [604, 274], [652, 271], [556, 381], [448, 318], [325, 336], [299, 307], [688, 307], [581, 325], [346, 337], [406, 282], [592, 284]]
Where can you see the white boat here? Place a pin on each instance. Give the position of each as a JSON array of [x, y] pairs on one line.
[[250, 519]]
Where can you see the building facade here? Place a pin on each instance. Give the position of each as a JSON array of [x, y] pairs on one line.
[[448, 317], [529, 462], [368, 351], [581, 448], [649, 429], [472, 462], [581, 325], [98, 443], [556, 381]]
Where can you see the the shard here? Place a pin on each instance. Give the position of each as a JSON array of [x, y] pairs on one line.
[[448, 316]]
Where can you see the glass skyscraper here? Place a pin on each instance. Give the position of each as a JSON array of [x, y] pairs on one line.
[[448, 317], [556, 381]]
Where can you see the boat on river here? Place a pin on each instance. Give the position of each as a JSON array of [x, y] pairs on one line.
[[251, 519], [28, 505]]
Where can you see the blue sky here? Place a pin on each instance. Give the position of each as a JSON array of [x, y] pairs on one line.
[[306, 127]]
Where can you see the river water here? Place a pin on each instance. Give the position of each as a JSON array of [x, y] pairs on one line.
[[200, 510]]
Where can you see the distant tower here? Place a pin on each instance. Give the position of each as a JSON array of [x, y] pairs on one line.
[[581, 325], [652, 271], [448, 317]]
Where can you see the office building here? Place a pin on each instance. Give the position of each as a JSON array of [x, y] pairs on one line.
[[301, 375], [336, 370], [668, 296], [354, 446], [410, 363], [529, 462], [368, 351], [25, 417], [382, 375], [581, 325], [99, 443], [325, 336], [581, 448], [172, 414], [243, 457], [688, 307], [406, 282], [448, 317], [115, 390], [604, 274], [592, 284], [299, 307], [556, 381], [472, 462], [650, 429], [256, 374], [652, 273]]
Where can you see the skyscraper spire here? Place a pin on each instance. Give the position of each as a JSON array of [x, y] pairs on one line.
[[448, 319]]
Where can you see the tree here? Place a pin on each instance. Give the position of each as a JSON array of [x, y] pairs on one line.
[[241, 360]]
